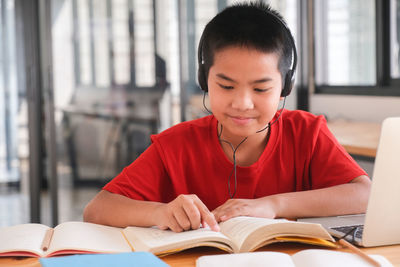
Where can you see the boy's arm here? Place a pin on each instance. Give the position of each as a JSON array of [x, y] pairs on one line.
[[349, 198], [183, 213]]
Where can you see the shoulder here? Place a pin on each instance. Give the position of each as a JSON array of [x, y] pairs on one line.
[[186, 130], [303, 121], [185, 139], [300, 117], [298, 125]]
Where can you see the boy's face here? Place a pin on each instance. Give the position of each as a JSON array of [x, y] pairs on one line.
[[244, 87]]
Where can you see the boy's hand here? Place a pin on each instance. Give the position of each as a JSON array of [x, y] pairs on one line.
[[184, 213], [260, 207]]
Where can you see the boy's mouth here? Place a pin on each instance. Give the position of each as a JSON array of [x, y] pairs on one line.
[[241, 120]]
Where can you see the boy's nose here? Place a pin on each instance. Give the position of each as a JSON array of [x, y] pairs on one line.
[[242, 101]]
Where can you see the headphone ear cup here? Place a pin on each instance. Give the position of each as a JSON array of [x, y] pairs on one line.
[[201, 76], [288, 86]]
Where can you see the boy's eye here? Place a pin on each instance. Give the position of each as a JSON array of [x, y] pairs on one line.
[[228, 87], [260, 90]]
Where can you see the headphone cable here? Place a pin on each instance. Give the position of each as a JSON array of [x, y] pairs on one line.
[[235, 149], [204, 102], [234, 163], [270, 124]]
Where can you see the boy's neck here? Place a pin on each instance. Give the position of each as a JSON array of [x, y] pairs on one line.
[[255, 139], [249, 151]]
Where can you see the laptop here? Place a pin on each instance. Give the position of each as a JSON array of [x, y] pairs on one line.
[[380, 225]]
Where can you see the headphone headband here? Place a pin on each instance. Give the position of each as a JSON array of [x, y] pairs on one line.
[[289, 76]]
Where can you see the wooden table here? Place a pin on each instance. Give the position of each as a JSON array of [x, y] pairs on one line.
[[188, 258], [358, 138]]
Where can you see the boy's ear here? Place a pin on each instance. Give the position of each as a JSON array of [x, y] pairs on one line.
[[281, 98]]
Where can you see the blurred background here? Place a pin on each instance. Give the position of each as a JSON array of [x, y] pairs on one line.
[[84, 83]]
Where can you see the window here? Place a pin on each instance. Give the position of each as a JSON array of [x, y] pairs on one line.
[[114, 43], [357, 47], [345, 42], [11, 113]]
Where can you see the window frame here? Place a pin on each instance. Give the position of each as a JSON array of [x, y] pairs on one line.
[[385, 84]]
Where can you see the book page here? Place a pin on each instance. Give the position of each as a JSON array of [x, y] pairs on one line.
[[160, 241], [253, 259], [239, 228], [250, 233], [329, 258], [23, 237], [88, 237]]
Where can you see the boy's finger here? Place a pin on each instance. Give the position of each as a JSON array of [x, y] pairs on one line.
[[182, 218], [174, 226], [207, 216], [219, 212], [216, 215], [193, 214]]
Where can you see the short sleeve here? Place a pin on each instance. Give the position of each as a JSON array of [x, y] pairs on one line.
[[331, 164], [144, 179]]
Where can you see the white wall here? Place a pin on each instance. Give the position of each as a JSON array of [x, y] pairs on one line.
[[361, 108]]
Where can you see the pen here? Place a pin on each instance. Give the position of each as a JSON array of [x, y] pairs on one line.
[[359, 252], [47, 239]]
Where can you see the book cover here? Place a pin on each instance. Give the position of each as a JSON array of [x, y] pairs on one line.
[[131, 259]]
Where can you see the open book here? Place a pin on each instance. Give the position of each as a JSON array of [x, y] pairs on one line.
[[67, 238], [304, 258], [238, 234]]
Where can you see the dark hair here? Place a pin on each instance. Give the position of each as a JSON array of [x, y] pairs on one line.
[[253, 25]]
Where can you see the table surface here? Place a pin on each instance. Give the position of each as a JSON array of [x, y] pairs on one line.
[[188, 258], [358, 138]]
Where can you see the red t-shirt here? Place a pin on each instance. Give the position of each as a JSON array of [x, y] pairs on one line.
[[301, 154]]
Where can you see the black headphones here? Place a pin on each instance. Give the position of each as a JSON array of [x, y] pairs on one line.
[[289, 77]]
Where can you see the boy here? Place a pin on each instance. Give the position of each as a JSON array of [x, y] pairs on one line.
[[247, 158]]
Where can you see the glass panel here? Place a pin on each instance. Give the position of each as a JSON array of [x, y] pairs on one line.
[[9, 96], [101, 48], [205, 10], [345, 42], [288, 10], [395, 38], [14, 149], [85, 68], [144, 43], [100, 124], [120, 37]]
